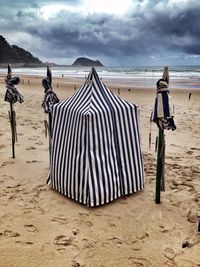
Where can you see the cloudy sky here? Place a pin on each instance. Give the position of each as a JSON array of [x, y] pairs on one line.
[[117, 32]]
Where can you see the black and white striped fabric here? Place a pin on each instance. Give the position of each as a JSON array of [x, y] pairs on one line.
[[96, 154], [12, 95], [163, 113], [50, 97]]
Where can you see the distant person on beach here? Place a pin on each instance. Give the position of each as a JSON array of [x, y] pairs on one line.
[[190, 94]]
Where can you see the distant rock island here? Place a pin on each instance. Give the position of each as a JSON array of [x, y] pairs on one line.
[[86, 62], [16, 55]]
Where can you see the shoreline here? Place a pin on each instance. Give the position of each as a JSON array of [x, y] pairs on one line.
[[135, 84]]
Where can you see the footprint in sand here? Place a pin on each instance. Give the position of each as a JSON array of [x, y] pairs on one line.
[[195, 148], [139, 262], [33, 123], [75, 264], [170, 263], [136, 245], [143, 236], [7, 162], [7, 216], [5, 178], [34, 138], [10, 233], [60, 220], [165, 229], [63, 240], [31, 228], [111, 224], [30, 148], [39, 143], [84, 215], [38, 189], [88, 223], [88, 247], [2, 146], [193, 215], [13, 186], [190, 152], [24, 243], [33, 161], [174, 201], [196, 198], [27, 120], [116, 240], [169, 254]]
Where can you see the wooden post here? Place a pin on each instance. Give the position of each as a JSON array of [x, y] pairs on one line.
[[12, 129], [50, 136], [49, 75], [159, 165]]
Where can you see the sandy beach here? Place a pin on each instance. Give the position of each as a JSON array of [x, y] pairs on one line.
[[39, 227]]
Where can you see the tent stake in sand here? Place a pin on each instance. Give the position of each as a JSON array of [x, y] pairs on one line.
[[163, 116]]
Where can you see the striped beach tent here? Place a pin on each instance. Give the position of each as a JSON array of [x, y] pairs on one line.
[[95, 151]]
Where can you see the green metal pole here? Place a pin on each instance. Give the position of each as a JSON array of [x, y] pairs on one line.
[[159, 166]]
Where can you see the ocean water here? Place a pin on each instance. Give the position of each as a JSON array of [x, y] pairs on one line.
[[125, 75]]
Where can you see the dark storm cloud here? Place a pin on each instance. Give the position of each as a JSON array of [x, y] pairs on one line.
[[135, 34], [158, 28], [24, 3]]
